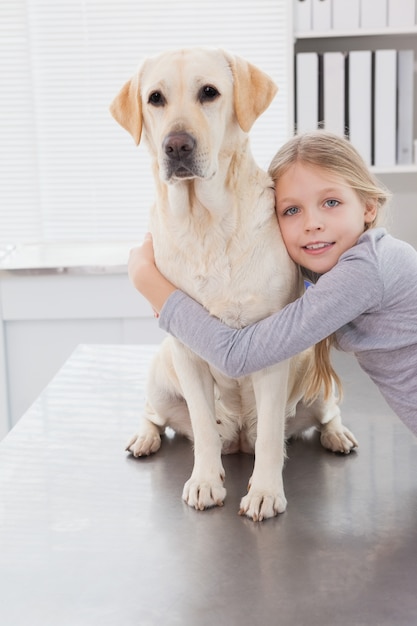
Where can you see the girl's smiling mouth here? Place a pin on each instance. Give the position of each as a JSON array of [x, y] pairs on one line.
[[318, 246]]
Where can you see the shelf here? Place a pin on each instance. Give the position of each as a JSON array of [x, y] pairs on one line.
[[331, 40], [396, 169], [330, 34]]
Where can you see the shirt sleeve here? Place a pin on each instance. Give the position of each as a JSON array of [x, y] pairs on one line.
[[352, 287]]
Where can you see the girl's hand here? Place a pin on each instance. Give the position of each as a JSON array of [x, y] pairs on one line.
[[141, 261], [146, 277]]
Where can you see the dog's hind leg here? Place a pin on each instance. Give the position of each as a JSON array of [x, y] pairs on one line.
[[148, 438], [334, 435], [325, 416], [165, 406], [153, 423]]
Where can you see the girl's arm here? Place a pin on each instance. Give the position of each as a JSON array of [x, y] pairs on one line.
[[239, 352], [341, 295]]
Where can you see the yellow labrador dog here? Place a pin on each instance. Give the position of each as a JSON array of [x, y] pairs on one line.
[[216, 236]]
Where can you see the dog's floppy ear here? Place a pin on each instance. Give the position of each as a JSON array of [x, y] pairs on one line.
[[126, 108], [253, 91]]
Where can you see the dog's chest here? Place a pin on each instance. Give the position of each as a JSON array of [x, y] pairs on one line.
[[239, 284]]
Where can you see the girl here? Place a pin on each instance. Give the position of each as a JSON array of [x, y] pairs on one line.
[[365, 281]]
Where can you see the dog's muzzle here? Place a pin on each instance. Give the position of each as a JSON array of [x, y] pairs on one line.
[[179, 149]]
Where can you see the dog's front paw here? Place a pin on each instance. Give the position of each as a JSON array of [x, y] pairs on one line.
[[146, 441], [260, 505], [204, 493], [338, 440]]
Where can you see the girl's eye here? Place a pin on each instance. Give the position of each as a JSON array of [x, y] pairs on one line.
[[332, 203], [293, 210]]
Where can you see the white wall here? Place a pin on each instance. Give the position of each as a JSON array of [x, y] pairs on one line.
[[402, 213]]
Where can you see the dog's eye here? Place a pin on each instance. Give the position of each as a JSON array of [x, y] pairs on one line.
[[156, 98], [208, 93]]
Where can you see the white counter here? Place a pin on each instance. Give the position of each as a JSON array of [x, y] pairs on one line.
[[67, 256]]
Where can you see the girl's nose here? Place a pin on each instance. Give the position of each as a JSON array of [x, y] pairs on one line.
[[312, 221]]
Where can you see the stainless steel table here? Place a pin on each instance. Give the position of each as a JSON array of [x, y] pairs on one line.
[[91, 536]]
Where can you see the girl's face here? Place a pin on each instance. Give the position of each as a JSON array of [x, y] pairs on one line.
[[320, 216]]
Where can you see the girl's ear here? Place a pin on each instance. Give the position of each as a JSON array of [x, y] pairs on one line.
[[371, 209]]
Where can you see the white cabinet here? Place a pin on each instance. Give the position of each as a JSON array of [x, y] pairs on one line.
[[346, 40], [53, 298]]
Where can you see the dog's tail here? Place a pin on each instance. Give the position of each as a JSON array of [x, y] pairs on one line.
[[322, 378]]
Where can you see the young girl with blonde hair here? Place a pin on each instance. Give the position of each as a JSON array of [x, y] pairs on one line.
[[364, 291]]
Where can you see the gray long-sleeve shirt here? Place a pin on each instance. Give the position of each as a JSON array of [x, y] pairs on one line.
[[369, 299]]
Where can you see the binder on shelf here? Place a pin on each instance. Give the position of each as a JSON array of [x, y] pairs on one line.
[[385, 107], [306, 91], [303, 17], [321, 15], [360, 102], [334, 92], [345, 15], [405, 107], [373, 14], [401, 13]]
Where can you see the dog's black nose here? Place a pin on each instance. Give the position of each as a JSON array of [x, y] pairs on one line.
[[178, 145]]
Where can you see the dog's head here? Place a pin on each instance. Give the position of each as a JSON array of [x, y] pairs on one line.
[[190, 104]]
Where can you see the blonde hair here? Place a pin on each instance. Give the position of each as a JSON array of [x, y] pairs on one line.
[[338, 157]]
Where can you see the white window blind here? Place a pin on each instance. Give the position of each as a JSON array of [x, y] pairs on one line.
[[68, 171]]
